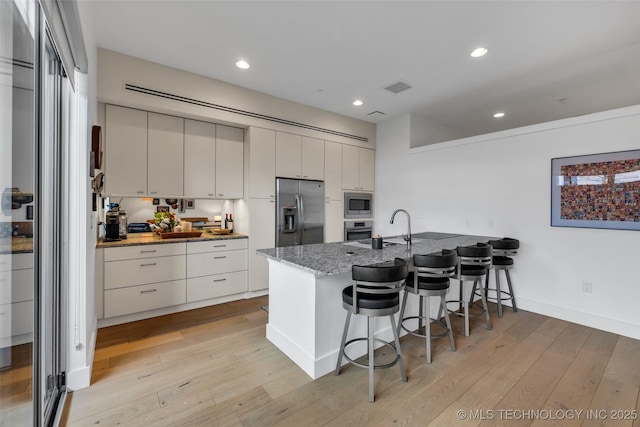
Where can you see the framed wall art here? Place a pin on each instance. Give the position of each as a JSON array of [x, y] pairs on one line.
[[596, 191]]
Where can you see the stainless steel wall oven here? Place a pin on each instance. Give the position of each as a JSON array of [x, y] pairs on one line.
[[357, 230]]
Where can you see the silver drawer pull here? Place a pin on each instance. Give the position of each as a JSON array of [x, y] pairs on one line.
[[219, 280], [149, 265], [219, 246], [140, 192], [219, 257], [150, 290], [148, 252]]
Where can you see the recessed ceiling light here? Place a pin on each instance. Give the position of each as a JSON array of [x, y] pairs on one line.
[[498, 115], [242, 64], [357, 103], [481, 51]]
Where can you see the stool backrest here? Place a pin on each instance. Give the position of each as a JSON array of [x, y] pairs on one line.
[[436, 264], [478, 255], [387, 278], [505, 246]]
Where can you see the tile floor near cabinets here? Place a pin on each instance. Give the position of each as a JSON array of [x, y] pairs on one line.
[[214, 367]]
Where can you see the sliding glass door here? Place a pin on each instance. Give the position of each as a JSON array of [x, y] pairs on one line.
[[33, 170], [17, 184], [51, 234]]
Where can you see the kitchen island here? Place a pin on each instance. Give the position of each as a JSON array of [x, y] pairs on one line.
[[306, 316]]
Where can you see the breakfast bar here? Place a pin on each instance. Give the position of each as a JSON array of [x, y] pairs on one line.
[[305, 284]]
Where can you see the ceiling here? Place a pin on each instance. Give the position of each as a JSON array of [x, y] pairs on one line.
[[547, 59]]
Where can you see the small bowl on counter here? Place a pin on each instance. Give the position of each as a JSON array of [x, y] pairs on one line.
[[215, 230]]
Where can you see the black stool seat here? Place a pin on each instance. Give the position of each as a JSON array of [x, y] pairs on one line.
[[430, 279], [428, 283], [503, 250], [473, 270], [375, 292], [473, 264], [502, 260], [370, 301]]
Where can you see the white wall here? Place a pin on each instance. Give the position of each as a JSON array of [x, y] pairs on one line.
[[499, 185], [82, 319]]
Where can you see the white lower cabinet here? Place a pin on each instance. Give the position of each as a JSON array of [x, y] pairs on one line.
[[16, 299], [140, 278], [118, 302], [216, 285], [216, 269], [120, 274]]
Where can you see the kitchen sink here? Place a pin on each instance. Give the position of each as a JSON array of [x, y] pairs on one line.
[[400, 240], [430, 235]]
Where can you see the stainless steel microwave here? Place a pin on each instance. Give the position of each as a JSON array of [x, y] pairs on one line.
[[358, 205]]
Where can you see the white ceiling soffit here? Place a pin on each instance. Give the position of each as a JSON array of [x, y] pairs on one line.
[[327, 54]]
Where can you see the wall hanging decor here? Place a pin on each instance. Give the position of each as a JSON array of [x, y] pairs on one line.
[[596, 191]]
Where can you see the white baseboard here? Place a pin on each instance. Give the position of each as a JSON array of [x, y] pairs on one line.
[[608, 324], [79, 378]]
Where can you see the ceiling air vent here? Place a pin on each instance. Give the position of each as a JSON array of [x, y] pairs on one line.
[[376, 114], [398, 87]]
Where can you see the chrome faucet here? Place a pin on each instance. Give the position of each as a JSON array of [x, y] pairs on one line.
[[407, 237]]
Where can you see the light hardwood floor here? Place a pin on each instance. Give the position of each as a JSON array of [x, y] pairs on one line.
[[214, 367]]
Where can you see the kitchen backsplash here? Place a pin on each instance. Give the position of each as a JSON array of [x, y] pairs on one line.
[[140, 210]]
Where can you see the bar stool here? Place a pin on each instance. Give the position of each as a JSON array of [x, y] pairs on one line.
[[430, 279], [503, 250], [375, 292], [473, 264]]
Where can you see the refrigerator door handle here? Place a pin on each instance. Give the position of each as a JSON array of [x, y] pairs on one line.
[[300, 203]]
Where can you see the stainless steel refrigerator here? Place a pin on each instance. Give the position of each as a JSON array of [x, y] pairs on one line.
[[300, 214]]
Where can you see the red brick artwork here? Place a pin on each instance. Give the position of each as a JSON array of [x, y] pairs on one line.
[[603, 191]]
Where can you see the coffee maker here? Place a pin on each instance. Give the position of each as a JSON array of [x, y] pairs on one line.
[[112, 226]]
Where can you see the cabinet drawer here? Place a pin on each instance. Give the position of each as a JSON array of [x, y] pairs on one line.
[[144, 251], [118, 302], [15, 261], [119, 274], [209, 263], [216, 245], [21, 315], [16, 286], [199, 288]]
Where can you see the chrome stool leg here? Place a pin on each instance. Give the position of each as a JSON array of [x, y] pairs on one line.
[[513, 297], [343, 343], [427, 328], [443, 305], [483, 295], [370, 333], [402, 310], [396, 339]]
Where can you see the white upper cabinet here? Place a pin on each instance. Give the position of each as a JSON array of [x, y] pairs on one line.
[[358, 168], [288, 154], [125, 151], [199, 159], [312, 158], [299, 156], [333, 170], [165, 155], [367, 169], [229, 162], [262, 163]]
